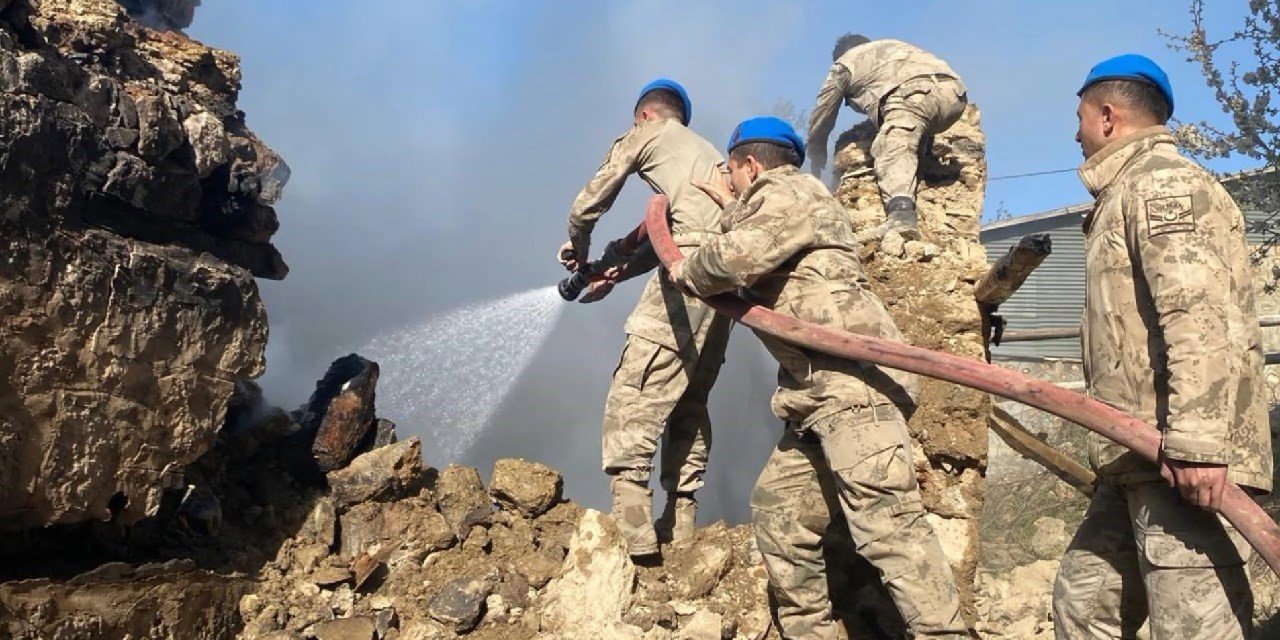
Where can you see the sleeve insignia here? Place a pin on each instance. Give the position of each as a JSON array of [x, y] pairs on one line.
[[1172, 214]]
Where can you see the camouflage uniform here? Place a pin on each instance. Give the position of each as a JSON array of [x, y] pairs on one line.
[[1170, 336], [907, 92], [788, 245], [675, 343]]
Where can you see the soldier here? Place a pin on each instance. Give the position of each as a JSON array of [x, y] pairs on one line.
[[1171, 337], [788, 244], [909, 94], [675, 343]]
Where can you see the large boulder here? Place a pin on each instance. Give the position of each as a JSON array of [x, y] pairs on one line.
[[528, 488], [127, 301], [381, 474], [341, 411], [596, 586]]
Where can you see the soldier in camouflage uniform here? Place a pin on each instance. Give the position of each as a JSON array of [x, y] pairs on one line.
[[910, 95], [1170, 336], [788, 245], [675, 343]]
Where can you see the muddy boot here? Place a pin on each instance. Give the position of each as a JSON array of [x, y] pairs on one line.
[[678, 520], [633, 511]]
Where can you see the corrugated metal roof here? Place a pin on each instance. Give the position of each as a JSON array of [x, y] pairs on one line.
[[1053, 296]]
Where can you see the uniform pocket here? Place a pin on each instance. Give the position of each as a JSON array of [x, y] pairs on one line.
[[1191, 548], [621, 358], [636, 363]]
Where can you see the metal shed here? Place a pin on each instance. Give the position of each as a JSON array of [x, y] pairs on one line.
[[1053, 296], [1054, 293]]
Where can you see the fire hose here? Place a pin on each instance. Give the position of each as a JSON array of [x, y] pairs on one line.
[[1237, 506]]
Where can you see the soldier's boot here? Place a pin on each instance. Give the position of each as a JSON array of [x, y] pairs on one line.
[[633, 512], [902, 217], [679, 519]]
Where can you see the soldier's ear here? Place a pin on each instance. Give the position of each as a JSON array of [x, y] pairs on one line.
[[1107, 116]]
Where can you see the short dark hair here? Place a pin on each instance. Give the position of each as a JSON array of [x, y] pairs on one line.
[[665, 102], [846, 42], [768, 154], [1137, 94]]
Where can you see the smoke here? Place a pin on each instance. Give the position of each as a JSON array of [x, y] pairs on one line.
[[435, 150], [163, 15]]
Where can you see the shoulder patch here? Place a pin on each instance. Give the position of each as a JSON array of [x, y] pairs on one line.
[[747, 209], [1171, 214]]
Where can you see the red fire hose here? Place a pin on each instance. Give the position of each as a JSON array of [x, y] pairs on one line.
[[1254, 523]]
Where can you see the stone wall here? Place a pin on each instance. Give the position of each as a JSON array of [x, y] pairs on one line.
[[928, 288]]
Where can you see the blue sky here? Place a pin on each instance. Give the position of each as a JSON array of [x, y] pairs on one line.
[[415, 77], [436, 147]]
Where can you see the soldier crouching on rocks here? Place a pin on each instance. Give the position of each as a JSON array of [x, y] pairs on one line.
[[675, 342], [789, 245], [1171, 337], [909, 94]]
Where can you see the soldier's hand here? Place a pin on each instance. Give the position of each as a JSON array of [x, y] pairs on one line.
[[1199, 483], [567, 257], [601, 286], [716, 189], [597, 291], [676, 271]]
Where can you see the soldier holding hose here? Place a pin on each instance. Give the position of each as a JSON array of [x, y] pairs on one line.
[[789, 245], [1171, 337], [675, 343]]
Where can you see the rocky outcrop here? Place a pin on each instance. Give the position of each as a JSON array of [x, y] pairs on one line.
[[118, 601], [928, 288], [135, 209]]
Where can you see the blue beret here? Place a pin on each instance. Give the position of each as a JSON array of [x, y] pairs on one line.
[[667, 84], [1131, 66], [767, 129]]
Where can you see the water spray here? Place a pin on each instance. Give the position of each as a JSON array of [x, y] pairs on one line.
[[616, 254], [1237, 506]]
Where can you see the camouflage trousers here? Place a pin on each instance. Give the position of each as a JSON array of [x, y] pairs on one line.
[[862, 456], [660, 389], [911, 113], [1141, 551]]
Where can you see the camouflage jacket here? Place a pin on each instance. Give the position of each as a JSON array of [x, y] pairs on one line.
[[863, 76], [667, 156], [1170, 329], [788, 245]]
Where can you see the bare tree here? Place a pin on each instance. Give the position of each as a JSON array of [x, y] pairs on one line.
[[1243, 70]]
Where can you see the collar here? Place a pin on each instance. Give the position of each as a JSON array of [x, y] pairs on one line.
[[764, 179], [1099, 171]]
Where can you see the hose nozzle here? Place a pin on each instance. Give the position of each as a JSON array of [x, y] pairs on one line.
[[615, 254], [571, 287]]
